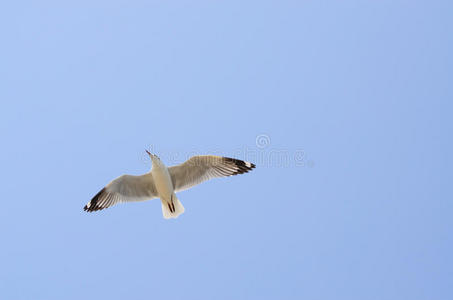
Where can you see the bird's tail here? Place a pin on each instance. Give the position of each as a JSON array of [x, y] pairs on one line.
[[172, 208]]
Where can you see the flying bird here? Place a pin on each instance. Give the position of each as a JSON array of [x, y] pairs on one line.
[[162, 182]]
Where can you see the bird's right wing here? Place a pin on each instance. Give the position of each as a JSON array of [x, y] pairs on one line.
[[125, 188], [204, 167]]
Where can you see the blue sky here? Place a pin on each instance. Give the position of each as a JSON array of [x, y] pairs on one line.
[[349, 101]]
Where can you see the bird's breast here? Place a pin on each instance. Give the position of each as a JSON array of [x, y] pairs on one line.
[[163, 182]]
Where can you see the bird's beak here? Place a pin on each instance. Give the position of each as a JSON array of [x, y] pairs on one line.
[[148, 152]]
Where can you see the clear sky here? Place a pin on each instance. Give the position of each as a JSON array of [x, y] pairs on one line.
[[344, 106]]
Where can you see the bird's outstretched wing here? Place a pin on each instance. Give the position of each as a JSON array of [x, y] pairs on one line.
[[204, 167], [125, 188]]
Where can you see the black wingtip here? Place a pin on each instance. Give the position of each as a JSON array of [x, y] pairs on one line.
[[93, 204], [243, 166]]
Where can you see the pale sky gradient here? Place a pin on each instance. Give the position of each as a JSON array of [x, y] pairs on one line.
[[355, 95]]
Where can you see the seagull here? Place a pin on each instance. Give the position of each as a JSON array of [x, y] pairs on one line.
[[162, 182]]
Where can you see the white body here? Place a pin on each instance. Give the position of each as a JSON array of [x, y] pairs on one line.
[[171, 206], [162, 180]]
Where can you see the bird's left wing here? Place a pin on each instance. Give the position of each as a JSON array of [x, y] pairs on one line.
[[126, 188], [204, 167]]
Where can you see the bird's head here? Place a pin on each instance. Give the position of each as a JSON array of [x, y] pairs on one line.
[[154, 158]]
